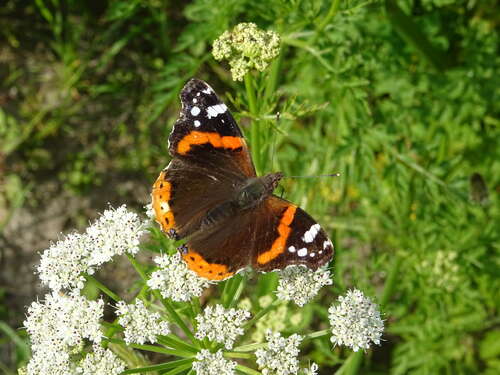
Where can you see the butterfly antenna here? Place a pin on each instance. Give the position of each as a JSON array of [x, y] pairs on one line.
[[316, 176]]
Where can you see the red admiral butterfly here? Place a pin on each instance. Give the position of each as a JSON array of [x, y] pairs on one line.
[[210, 195]]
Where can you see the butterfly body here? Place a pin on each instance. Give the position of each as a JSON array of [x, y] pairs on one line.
[[210, 196]]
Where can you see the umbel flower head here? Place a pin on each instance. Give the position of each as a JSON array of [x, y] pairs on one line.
[[300, 284], [174, 280], [355, 321], [140, 324], [280, 357], [221, 325], [246, 47], [57, 328], [116, 232], [100, 361], [212, 364]]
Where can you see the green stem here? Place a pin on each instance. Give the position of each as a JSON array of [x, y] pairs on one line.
[[159, 367], [247, 370], [317, 334], [91, 279], [255, 128], [331, 13], [238, 290], [352, 365], [151, 348], [175, 343], [238, 355], [249, 347], [178, 369], [232, 290], [176, 318], [137, 267]]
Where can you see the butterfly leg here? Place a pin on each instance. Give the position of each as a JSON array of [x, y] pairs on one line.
[[172, 233]]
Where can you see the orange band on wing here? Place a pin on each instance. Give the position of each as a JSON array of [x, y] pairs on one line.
[[201, 138], [210, 271], [160, 198], [283, 233]]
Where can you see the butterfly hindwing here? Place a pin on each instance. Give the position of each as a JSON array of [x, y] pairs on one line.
[[297, 239]]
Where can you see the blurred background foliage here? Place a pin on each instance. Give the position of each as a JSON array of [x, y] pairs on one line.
[[400, 96]]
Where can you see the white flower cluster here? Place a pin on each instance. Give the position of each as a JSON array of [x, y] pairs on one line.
[[57, 328], [174, 280], [246, 47], [441, 269], [117, 231], [355, 321], [280, 357], [100, 362], [221, 325], [300, 284], [140, 324], [213, 364]]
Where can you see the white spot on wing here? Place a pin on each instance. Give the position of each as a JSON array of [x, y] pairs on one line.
[[195, 111], [195, 100], [292, 249], [310, 235], [197, 123], [327, 244], [198, 94], [208, 90], [215, 110], [312, 255], [302, 252], [164, 207]]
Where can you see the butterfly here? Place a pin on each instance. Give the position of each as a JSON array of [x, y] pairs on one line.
[[210, 196]]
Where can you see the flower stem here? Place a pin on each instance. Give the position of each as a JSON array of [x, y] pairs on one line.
[[250, 347], [137, 267], [91, 279], [151, 348], [161, 366], [352, 364], [317, 334], [174, 342], [247, 370], [175, 317], [237, 355], [255, 128], [331, 13], [232, 290]]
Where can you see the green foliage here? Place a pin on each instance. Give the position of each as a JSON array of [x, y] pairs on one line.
[[400, 97]]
